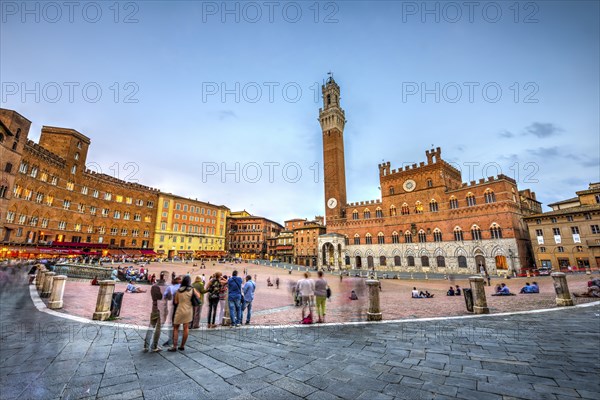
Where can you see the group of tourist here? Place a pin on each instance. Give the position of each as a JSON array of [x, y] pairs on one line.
[[183, 302], [308, 292], [415, 294], [454, 292], [130, 274]]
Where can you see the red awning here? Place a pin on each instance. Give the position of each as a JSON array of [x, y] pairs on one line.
[[148, 252]]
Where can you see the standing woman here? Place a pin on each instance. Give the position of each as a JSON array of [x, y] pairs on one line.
[[321, 296], [184, 311], [214, 290], [197, 314]]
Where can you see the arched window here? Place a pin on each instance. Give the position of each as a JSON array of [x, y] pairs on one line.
[[408, 237], [397, 261], [411, 261], [382, 261], [367, 214], [462, 262], [418, 208], [356, 239], [422, 236], [458, 234], [433, 206], [429, 183], [441, 261], [392, 210], [471, 200], [395, 238], [424, 261], [328, 99], [391, 190], [347, 240], [453, 203], [370, 262], [475, 233], [437, 235], [378, 213], [380, 238], [404, 210], [368, 239], [355, 214], [489, 196], [496, 231]]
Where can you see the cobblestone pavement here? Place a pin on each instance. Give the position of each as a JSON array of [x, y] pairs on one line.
[[545, 355], [273, 306]]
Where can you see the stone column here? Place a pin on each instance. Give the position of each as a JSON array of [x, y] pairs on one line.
[[374, 312], [58, 289], [479, 299], [563, 296], [47, 289], [104, 300], [39, 279], [226, 317]]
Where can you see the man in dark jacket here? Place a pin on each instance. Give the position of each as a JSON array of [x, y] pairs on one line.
[[234, 285]]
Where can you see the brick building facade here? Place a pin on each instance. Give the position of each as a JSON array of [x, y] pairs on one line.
[[247, 235], [426, 220], [57, 206], [569, 235], [306, 246]]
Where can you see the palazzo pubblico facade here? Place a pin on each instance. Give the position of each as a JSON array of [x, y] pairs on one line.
[[427, 220]]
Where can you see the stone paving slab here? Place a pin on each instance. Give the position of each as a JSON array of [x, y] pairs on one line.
[[547, 355]]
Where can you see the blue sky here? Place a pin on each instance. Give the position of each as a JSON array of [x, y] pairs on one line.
[[192, 90]]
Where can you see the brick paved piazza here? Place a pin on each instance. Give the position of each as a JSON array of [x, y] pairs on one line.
[[542, 355], [274, 306]]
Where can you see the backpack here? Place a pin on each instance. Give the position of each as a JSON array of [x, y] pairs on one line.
[[215, 289]]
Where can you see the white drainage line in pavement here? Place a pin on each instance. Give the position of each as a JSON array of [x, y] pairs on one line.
[[41, 306]]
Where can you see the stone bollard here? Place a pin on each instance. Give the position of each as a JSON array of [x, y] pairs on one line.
[[374, 312], [104, 300], [563, 296], [39, 279], [479, 299], [58, 289], [226, 316], [47, 289]]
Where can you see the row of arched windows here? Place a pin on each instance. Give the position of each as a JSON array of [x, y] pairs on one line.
[[405, 209], [422, 236], [440, 261]]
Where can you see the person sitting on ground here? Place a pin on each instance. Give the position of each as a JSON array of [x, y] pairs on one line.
[[533, 288], [457, 291], [95, 281], [114, 275], [593, 289], [450, 291], [428, 295], [131, 288], [504, 291], [415, 293], [353, 295]]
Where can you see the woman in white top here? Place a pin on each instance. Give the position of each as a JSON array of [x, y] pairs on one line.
[[306, 288]]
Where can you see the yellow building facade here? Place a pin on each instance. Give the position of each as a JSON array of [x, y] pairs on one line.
[[188, 228]]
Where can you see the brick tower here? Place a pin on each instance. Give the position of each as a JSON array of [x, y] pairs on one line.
[[332, 119]]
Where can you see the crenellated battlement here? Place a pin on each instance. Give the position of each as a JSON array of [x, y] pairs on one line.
[[364, 203], [488, 180], [93, 175]]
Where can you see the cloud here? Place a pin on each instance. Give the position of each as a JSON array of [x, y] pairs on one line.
[[226, 114], [509, 157], [506, 134], [543, 152], [584, 160], [542, 130]]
